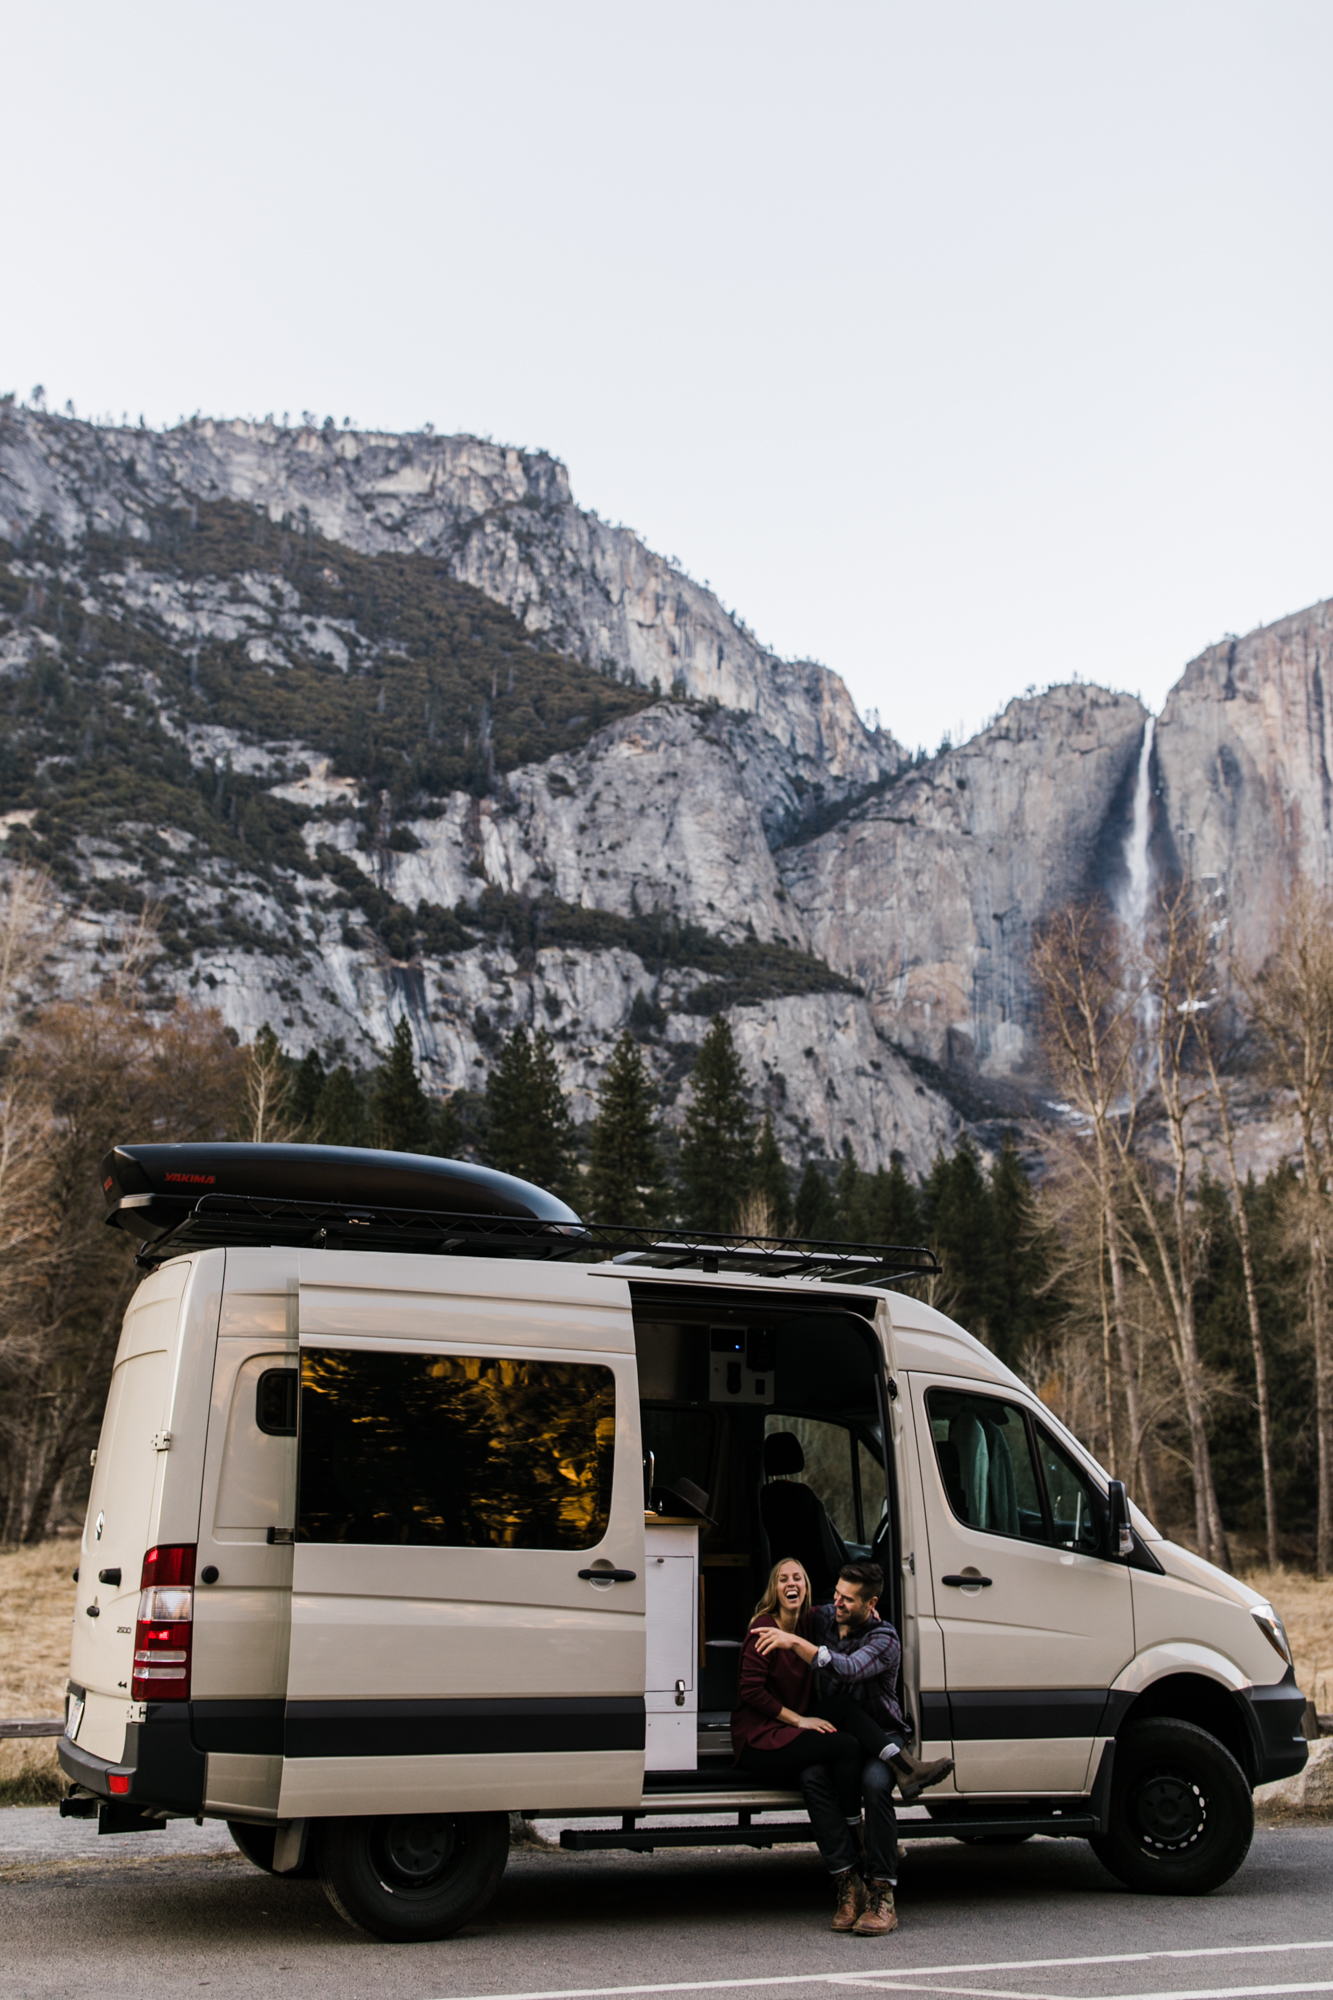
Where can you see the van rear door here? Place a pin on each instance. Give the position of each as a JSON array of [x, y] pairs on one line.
[[123, 1511], [468, 1576], [242, 1610]]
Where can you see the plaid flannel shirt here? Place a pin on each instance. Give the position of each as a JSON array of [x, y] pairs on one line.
[[865, 1665]]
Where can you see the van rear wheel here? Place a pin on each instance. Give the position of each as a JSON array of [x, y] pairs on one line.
[[1182, 1817], [409, 1877]]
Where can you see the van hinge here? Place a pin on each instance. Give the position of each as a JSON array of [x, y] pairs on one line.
[[92, 1456], [161, 1440], [909, 1563]]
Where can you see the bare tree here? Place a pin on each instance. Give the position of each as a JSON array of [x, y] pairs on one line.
[[267, 1091], [1291, 1000], [1177, 965], [1217, 1052], [1091, 1032], [99, 1074]]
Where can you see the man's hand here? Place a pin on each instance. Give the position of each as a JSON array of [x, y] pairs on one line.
[[770, 1637]]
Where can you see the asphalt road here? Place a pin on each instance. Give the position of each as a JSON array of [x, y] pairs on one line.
[[174, 1913]]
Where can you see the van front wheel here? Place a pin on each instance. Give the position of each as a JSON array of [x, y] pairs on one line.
[[1181, 1818], [409, 1877]]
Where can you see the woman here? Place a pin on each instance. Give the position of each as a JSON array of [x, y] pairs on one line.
[[778, 1739]]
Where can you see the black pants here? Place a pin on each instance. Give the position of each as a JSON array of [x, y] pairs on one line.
[[827, 1769], [847, 1714], [876, 1778]]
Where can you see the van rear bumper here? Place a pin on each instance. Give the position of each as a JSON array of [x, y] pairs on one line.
[[1275, 1715], [165, 1770]]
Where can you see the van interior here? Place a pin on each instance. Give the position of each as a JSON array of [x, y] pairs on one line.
[[777, 1411]]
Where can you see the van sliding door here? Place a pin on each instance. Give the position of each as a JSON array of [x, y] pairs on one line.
[[468, 1578]]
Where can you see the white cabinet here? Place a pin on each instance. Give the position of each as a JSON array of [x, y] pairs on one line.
[[672, 1693]]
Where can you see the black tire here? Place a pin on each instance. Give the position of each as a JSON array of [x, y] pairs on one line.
[[410, 1877], [256, 1844], [1181, 1818]]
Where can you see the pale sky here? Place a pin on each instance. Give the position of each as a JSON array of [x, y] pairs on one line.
[[962, 345]]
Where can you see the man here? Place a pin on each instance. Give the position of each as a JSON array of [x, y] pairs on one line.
[[859, 1656]]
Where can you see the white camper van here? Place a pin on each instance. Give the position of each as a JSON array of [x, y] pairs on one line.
[[407, 1515]]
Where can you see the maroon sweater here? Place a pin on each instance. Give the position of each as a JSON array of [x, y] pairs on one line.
[[768, 1684]]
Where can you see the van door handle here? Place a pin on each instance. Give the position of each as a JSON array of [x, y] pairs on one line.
[[607, 1575], [965, 1582]]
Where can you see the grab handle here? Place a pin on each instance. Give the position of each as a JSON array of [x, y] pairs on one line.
[[607, 1575], [966, 1582]]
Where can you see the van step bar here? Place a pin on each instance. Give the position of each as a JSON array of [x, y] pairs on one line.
[[642, 1840]]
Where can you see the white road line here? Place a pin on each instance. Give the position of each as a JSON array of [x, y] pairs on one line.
[[890, 1984], [1042, 1964], [911, 1973]]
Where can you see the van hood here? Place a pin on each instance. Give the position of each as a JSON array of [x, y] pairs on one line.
[[1186, 1567]]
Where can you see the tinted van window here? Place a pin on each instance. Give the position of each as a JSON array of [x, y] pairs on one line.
[[464, 1451], [985, 1461]]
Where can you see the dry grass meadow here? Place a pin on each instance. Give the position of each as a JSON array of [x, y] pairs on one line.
[[37, 1605], [36, 1608]]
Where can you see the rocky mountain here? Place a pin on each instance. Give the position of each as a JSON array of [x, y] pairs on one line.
[[1244, 768], [388, 725]]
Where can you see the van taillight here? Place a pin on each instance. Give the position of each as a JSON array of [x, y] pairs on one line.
[[166, 1621]]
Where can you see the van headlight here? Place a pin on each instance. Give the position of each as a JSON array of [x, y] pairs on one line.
[[1273, 1630]]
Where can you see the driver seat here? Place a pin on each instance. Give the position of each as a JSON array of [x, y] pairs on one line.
[[793, 1517]]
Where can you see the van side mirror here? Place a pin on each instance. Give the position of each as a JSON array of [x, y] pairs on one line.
[[1122, 1534]]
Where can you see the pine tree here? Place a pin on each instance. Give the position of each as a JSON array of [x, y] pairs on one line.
[[960, 1225], [528, 1130], [895, 1206], [1021, 1310], [849, 1197], [772, 1182], [814, 1218], [717, 1144], [340, 1112], [446, 1138], [401, 1108], [626, 1181], [306, 1086]]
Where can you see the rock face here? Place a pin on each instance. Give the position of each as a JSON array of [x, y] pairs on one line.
[[927, 894], [503, 520], [1245, 769], [731, 791]]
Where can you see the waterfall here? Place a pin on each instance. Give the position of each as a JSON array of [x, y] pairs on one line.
[[1131, 902]]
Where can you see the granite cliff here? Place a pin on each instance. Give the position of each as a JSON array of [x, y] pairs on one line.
[[388, 725], [1244, 769]]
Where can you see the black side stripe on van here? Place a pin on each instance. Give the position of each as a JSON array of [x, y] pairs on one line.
[[1024, 1713], [242, 1728], [466, 1727]]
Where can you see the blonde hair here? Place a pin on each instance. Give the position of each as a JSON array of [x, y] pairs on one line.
[[768, 1603]]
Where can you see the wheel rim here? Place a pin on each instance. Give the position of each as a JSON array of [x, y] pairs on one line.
[[1170, 1812], [415, 1852]]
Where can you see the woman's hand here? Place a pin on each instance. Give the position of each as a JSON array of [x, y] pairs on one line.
[[817, 1723]]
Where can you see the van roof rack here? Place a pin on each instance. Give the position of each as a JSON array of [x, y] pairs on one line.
[[194, 1197]]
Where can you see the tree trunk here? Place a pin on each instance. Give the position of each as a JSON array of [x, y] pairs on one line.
[[1323, 1362], [1140, 1470], [1106, 1350]]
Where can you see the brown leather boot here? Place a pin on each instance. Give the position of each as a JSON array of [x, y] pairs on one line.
[[879, 1917], [914, 1777], [851, 1899]]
